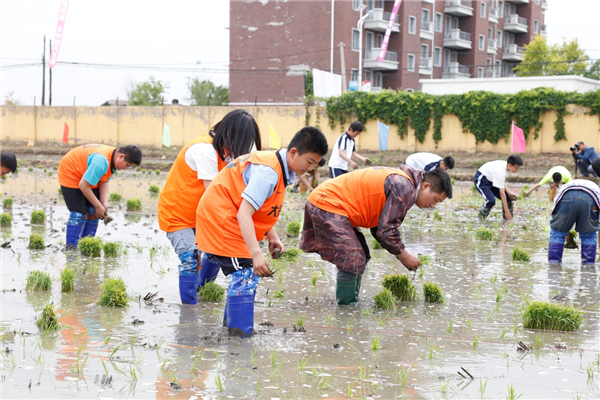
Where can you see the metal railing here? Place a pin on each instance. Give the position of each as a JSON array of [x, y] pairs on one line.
[[494, 12], [492, 43], [379, 14], [464, 3], [456, 68], [425, 62], [489, 73], [515, 19], [374, 52], [427, 26], [458, 34], [514, 49]]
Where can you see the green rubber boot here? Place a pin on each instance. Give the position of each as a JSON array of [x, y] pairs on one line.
[[348, 288], [484, 212]]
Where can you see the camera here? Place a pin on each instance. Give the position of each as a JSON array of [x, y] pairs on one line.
[[573, 148]]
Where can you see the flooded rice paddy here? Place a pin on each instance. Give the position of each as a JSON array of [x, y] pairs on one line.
[[305, 345]]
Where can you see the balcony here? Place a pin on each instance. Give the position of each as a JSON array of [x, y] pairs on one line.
[[390, 61], [459, 8], [489, 73], [513, 53], [426, 66], [543, 30], [429, 1], [518, 1], [427, 30], [378, 21], [493, 17], [515, 24], [456, 39], [456, 71], [544, 5], [492, 46]]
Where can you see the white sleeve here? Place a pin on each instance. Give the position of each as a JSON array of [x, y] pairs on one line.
[[202, 158]]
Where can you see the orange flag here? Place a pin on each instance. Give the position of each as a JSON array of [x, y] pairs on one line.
[[66, 134]]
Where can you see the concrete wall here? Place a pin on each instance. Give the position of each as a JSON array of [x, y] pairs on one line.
[[144, 126]]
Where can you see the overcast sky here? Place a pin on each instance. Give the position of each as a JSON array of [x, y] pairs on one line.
[[174, 39]]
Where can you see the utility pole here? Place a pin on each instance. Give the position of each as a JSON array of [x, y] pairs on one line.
[[343, 65], [44, 72], [50, 83]]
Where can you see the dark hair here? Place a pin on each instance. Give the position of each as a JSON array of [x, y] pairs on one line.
[[449, 162], [322, 162], [356, 126], [514, 159], [9, 160], [596, 166], [235, 134], [557, 177], [133, 154], [309, 140], [439, 180]]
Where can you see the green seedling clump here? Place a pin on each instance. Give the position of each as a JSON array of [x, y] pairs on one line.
[[292, 255], [424, 259], [111, 249], [385, 300], [114, 197], [48, 320], [36, 242], [134, 205], [437, 216], [570, 242], [67, 279], [400, 286], [375, 244], [520, 255], [90, 246], [114, 293], [60, 191], [293, 228], [432, 293], [157, 172], [551, 316], [38, 217], [483, 233], [452, 181], [5, 219], [7, 202], [38, 281], [154, 189], [212, 292]]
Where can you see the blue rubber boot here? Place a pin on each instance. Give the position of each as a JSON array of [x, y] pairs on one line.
[[240, 315], [209, 270], [90, 225], [556, 245], [588, 247], [74, 227], [188, 277]]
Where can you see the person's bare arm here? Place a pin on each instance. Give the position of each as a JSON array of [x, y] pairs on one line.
[[275, 246], [534, 188], [305, 182], [507, 213], [86, 189], [103, 189], [361, 158], [348, 160], [244, 217], [408, 260]]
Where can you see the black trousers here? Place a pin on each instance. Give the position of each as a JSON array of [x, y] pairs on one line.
[[76, 201]]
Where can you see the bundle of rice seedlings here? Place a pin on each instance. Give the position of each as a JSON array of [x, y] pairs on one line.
[[90, 246], [551, 316], [5, 219], [452, 181], [385, 300], [36, 242], [38, 281], [67, 279], [424, 258], [293, 228], [38, 217], [292, 255], [154, 189], [432, 293], [375, 244], [400, 286], [520, 255], [437, 216], [570, 242], [134, 205], [48, 320], [114, 293], [483, 233], [7, 202], [114, 197], [111, 249], [157, 172], [212, 292]]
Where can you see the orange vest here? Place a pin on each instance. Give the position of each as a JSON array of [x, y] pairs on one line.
[[358, 195], [73, 165], [179, 198], [218, 229]]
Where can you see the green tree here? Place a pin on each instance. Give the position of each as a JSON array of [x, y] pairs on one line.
[[593, 72], [543, 59], [206, 93], [148, 93]]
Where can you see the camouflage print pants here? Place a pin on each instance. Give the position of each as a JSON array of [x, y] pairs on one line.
[[333, 237]]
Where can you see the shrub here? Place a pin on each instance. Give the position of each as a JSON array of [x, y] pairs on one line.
[[212, 292], [7, 202], [90, 246], [520, 255], [432, 293], [114, 293], [114, 197], [38, 281], [385, 300], [154, 189], [293, 228], [38, 217], [111, 249], [551, 316], [400, 286], [134, 205], [36, 242], [483, 233], [67, 279], [5, 219], [48, 320], [375, 244]]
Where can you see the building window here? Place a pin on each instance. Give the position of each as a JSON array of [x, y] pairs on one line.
[[490, 34], [499, 38], [354, 75], [482, 13], [411, 62], [370, 5], [481, 42], [380, 3], [507, 10], [536, 27], [355, 39], [501, 9], [378, 79], [439, 21], [369, 77], [425, 15], [412, 25], [480, 72], [437, 56], [498, 68], [356, 4], [446, 57], [448, 23], [455, 23], [424, 51]]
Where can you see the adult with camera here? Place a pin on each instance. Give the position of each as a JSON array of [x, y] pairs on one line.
[[584, 156]]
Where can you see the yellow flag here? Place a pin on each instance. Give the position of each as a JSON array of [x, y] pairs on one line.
[[274, 141]]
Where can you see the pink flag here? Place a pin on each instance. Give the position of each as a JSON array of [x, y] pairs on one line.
[[60, 28], [388, 31], [518, 144]]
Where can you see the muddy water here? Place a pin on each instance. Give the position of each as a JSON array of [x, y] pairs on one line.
[[183, 351]]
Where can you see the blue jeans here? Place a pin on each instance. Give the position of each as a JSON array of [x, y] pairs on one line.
[[183, 240], [575, 207], [585, 167]]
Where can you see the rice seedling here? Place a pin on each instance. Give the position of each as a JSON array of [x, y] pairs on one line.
[[154, 189], [49, 173], [7, 202], [67, 279], [512, 395], [300, 321], [134, 204], [483, 233], [432, 293], [493, 279], [520, 255], [36, 242], [90, 246], [404, 373], [157, 172], [376, 343], [293, 228], [211, 292], [111, 249], [437, 216], [38, 281], [375, 245], [551, 316], [48, 320], [143, 171], [279, 294], [385, 300], [482, 386], [60, 191], [38, 217], [114, 293], [424, 259], [400, 286], [570, 242], [5, 220], [30, 169], [292, 255], [313, 278], [114, 197], [452, 181], [449, 327], [476, 340]]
